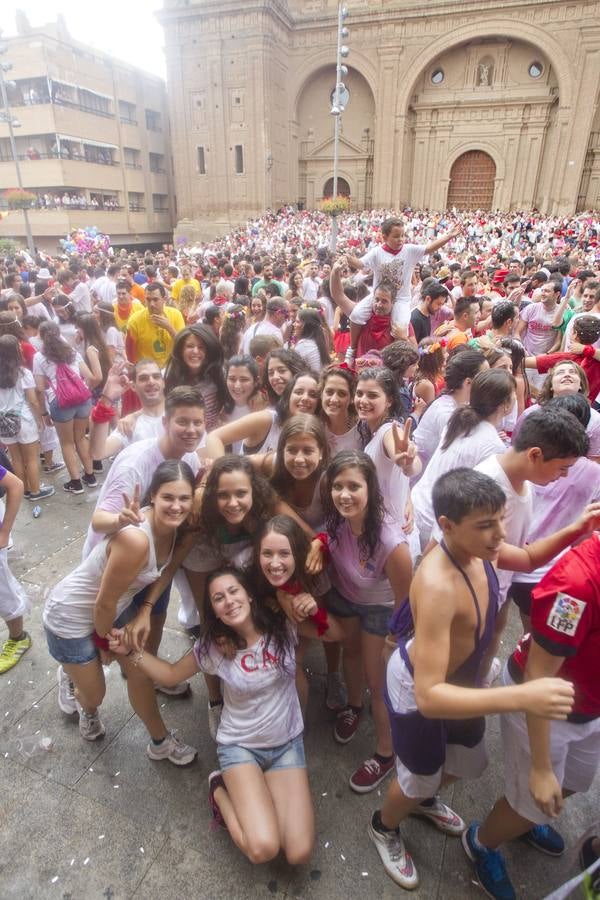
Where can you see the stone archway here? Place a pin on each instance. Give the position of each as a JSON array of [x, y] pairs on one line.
[[343, 188], [472, 179]]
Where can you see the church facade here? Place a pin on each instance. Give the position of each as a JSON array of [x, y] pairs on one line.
[[466, 103]]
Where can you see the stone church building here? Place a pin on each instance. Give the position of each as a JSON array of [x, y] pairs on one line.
[[466, 103]]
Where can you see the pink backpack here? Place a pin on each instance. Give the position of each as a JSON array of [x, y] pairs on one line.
[[70, 388]]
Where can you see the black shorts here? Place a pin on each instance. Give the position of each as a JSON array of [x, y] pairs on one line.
[[520, 591]]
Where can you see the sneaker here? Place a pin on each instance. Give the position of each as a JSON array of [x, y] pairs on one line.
[[12, 651], [545, 839], [73, 487], [97, 465], [66, 693], [396, 860], [346, 723], [89, 480], [444, 818], [215, 780], [183, 689], [173, 749], [27, 495], [90, 726], [489, 866], [336, 698], [492, 673], [370, 774], [46, 490], [214, 719], [54, 467]]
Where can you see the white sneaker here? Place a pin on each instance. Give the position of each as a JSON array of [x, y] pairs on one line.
[[396, 860], [173, 749], [183, 689], [90, 726], [337, 697], [214, 719], [492, 673], [444, 818], [66, 693]]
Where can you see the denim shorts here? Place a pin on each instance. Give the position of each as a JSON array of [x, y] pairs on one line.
[[62, 414], [287, 756], [374, 618], [71, 651]]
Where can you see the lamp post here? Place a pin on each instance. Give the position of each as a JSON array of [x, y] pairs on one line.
[[338, 106], [5, 116]]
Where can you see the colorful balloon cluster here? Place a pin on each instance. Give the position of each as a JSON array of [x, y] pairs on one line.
[[85, 241]]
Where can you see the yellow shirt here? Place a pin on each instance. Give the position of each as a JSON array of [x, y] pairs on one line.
[[181, 283], [121, 321], [151, 341]]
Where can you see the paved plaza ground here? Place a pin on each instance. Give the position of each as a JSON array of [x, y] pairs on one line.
[[101, 820]]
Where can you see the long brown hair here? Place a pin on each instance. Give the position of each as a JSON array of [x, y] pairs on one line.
[[11, 360], [54, 347], [489, 390], [302, 423]]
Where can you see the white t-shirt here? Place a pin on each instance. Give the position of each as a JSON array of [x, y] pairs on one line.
[[308, 350], [310, 288], [43, 366], [114, 338], [393, 483], [13, 400], [428, 432], [396, 268], [348, 441], [264, 327], [105, 288], [145, 427], [134, 465], [80, 298], [69, 609], [518, 514], [359, 580], [482, 442], [260, 702]]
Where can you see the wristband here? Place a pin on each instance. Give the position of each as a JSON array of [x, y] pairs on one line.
[[323, 538], [148, 603], [100, 642], [321, 621], [102, 414], [588, 351]]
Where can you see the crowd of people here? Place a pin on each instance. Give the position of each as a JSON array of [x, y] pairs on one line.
[[386, 448]]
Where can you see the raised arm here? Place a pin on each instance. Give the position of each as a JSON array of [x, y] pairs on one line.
[[540, 552], [252, 428], [439, 242]]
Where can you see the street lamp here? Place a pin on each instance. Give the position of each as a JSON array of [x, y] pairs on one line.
[[7, 118], [338, 105]]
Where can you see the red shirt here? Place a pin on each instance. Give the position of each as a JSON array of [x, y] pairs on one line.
[[565, 621], [590, 366], [27, 352]]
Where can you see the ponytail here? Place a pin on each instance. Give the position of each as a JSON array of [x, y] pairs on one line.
[[489, 390]]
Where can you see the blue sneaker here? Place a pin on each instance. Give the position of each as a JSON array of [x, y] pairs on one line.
[[545, 839], [489, 866]]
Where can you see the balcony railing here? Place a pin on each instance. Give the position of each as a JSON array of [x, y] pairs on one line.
[[83, 108], [159, 209], [131, 165], [158, 171], [133, 207], [126, 120], [40, 206], [64, 156]]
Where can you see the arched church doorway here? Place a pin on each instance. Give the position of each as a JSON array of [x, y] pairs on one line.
[[343, 188], [472, 181]]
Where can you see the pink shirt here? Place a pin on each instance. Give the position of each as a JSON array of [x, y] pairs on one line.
[[359, 580], [540, 334]]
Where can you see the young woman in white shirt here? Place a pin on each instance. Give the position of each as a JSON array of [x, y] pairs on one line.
[[261, 793], [311, 344]]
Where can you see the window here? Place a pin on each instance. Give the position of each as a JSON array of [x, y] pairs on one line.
[[131, 158], [157, 163], [437, 76], [201, 162], [92, 102], [239, 159], [160, 203], [127, 113], [136, 201], [153, 120], [535, 69]]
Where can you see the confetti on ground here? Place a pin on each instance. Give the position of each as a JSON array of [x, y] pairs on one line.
[[342, 857], [364, 874], [90, 770], [116, 774], [327, 845], [115, 786], [72, 861], [54, 880], [101, 837], [142, 850], [86, 860]]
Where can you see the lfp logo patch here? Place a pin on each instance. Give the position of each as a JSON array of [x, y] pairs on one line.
[[565, 614]]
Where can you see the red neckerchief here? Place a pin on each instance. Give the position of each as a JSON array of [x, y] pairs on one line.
[[375, 335], [389, 250]]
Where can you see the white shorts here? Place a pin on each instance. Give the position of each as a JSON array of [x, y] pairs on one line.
[[361, 313], [574, 751], [13, 599]]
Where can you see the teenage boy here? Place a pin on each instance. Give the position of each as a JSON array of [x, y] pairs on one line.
[[433, 682], [460, 329], [394, 260], [546, 762]]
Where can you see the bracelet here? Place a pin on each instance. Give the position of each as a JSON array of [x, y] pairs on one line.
[[148, 603], [102, 413], [100, 642], [137, 659]]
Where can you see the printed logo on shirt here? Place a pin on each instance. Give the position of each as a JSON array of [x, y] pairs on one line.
[[253, 661], [565, 614]]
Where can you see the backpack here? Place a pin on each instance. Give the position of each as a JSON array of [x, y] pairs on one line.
[[70, 388]]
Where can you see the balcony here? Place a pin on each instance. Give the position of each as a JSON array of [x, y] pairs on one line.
[[125, 120]]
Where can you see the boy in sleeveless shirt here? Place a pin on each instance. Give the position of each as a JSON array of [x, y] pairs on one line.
[[433, 680]]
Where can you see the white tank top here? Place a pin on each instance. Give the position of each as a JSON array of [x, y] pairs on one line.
[[69, 609], [271, 440]]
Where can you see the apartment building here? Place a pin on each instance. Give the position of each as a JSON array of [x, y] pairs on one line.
[[93, 142]]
